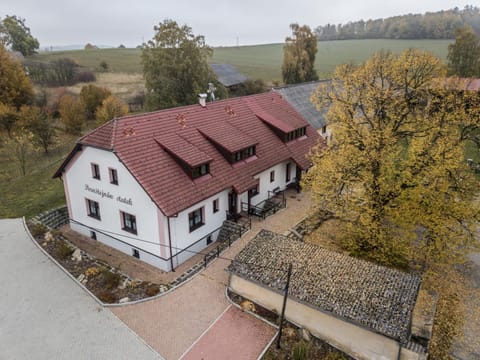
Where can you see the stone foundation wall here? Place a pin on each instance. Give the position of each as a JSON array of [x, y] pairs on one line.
[[54, 218]]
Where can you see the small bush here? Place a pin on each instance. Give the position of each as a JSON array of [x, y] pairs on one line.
[[38, 230], [152, 290], [63, 251], [300, 351], [92, 271], [85, 76], [107, 297], [111, 279]]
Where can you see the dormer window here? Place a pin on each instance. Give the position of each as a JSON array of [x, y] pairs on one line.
[[201, 170], [244, 154], [295, 134]]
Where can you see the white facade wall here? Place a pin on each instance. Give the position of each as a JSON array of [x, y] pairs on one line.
[[81, 185], [265, 185], [180, 230], [153, 237]]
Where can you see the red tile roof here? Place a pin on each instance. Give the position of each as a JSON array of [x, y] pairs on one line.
[[182, 149], [227, 136], [135, 140]]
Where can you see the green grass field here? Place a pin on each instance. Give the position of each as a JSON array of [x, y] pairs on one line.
[[259, 61]]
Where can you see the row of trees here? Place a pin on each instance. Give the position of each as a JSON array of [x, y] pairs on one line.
[[432, 25], [464, 54]]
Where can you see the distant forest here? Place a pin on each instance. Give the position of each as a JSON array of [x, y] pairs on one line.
[[431, 25]]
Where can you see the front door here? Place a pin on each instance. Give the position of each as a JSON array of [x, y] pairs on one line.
[[232, 203]]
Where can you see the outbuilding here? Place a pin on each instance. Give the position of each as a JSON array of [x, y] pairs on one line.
[[361, 308]]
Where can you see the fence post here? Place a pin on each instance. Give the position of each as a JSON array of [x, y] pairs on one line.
[[205, 260], [285, 296], [218, 251]]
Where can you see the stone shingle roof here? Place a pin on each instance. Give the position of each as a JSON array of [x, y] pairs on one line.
[[228, 75], [298, 96], [376, 297]]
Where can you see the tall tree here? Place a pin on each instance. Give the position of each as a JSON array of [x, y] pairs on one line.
[[15, 87], [464, 54], [395, 172], [299, 55], [14, 33], [175, 66], [36, 121]]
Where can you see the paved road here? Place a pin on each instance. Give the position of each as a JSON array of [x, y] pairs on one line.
[[44, 314]]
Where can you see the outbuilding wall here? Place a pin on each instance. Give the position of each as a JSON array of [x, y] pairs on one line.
[[354, 340]]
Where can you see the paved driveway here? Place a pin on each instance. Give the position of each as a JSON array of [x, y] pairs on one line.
[[44, 314], [235, 335]]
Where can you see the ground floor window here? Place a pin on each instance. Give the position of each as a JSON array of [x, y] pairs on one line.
[[209, 239], [136, 253], [129, 222], [195, 219], [93, 209], [93, 235]]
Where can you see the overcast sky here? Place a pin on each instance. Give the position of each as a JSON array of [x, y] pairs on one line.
[[115, 22]]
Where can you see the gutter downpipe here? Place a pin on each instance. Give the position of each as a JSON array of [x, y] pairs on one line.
[[170, 243]]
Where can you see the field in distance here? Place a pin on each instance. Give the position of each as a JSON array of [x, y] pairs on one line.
[[258, 61]]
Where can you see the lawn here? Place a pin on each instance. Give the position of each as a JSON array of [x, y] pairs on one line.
[[259, 61], [36, 191]]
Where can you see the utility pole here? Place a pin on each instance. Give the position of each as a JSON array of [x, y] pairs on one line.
[[285, 296]]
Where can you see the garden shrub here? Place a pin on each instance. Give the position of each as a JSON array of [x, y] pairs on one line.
[[107, 297], [300, 351], [152, 290], [38, 230], [111, 279], [63, 251]]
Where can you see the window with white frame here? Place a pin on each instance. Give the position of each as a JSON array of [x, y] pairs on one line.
[[215, 206], [93, 209], [113, 176], [272, 176], [195, 219], [95, 171], [129, 222]]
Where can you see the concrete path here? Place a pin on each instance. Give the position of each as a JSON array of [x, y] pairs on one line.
[[44, 314], [172, 323], [235, 335]]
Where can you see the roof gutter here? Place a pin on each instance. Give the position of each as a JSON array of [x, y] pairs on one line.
[[170, 243]]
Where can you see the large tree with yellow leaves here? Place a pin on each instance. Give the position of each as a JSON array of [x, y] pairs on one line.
[[395, 172]]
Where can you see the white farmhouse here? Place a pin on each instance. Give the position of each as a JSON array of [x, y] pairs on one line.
[[159, 185]]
